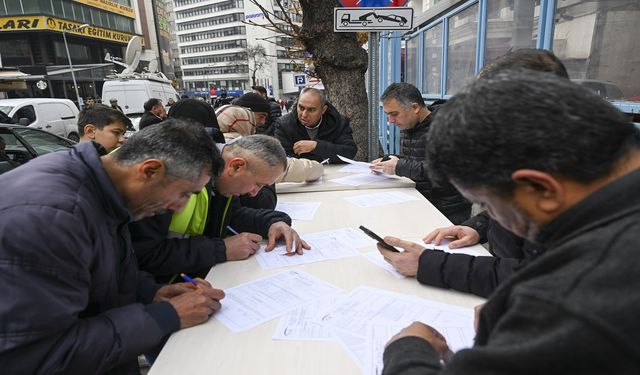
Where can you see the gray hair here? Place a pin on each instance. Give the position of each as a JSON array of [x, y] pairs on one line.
[[318, 93], [185, 148], [404, 93], [263, 147]]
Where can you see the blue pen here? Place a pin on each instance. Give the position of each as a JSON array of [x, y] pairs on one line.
[[189, 280], [232, 230]]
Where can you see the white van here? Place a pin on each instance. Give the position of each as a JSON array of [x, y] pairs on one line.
[[57, 116], [133, 92]]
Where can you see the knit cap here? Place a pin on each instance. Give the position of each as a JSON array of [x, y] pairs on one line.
[[253, 101], [197, 111]]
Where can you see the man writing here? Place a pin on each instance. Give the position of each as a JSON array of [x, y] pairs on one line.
[[73, 300], [315, 130], [567, 179]]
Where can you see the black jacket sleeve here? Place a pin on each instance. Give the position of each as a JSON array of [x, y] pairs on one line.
[[480, 223], [413, 169], [280, 133], [162, 256], [252, 220], [266, 198], [465, 273]]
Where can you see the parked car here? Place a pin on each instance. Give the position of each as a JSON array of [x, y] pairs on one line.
[[23, 144], [57, 116]]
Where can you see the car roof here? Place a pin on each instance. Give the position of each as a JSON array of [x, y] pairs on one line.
[[15, 102]]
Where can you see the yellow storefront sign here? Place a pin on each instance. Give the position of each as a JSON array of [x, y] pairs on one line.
[[56, 24], [111, 6]]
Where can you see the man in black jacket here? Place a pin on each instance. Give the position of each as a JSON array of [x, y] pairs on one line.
[[275, 111], [405, 108], [165, 248], [566, 178], [73, 301], [315, 130], [154, 112], [462, 272]]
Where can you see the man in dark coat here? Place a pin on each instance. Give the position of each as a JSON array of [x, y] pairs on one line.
[[250, 163], [315, 130], [275, 112], [405, 108], [566, 178], [73, 301], [154, 112]]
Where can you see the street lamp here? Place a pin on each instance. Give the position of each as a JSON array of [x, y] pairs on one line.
[[66, 46]]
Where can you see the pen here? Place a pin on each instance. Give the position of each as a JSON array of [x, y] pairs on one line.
[[189, 280], [325, 161], [232, 230]]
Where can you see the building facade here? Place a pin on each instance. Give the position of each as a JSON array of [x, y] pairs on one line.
[[212, 40], [31, 38]]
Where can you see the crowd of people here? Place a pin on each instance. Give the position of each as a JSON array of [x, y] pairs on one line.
[[94, 236]]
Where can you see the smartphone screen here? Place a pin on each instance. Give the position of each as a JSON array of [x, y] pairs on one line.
[[370, 233]]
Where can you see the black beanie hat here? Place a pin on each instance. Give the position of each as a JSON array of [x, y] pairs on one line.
[[200, 112], [253, 101]]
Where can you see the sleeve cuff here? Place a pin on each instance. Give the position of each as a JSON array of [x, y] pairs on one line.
[[165, 315]]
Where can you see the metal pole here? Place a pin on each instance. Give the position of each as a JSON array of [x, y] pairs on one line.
[[73, 76], [374, 111]]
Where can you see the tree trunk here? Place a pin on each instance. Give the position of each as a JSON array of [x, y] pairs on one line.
[[340, 63]]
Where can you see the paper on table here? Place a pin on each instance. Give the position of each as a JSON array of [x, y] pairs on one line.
[[378, 335], [359, 179], [327, 245], [380, 199], [444, 246], [357, 166], [378, 259], [250, 304], [297, 324], [299, 210]]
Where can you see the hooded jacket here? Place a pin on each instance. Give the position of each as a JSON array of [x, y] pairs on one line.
[[334, 138], [70, 286]]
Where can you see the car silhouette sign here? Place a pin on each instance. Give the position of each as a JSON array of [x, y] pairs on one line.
[[372, 19]]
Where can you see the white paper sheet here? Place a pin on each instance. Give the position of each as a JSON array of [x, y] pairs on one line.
[[380, 199], [299, 210], [444, 246], [327, 245], [359, 179], [378, 260], [297, 324], [248, 305]]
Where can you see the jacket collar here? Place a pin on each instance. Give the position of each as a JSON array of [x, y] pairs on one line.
[[89, 153], [616, 199]]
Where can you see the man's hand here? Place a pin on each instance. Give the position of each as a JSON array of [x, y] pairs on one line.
[[243, 245], [405, 262], [463, 235], [429, 334], [194, 306], [302, 147], [293, 242], [388, 167]]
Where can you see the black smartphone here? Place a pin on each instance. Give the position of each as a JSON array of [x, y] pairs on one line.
[[370, 233]]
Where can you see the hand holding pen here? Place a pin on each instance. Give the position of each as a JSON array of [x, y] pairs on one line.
[[241, 245]]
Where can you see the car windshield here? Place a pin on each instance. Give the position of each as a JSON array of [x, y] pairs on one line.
[[6, 109]]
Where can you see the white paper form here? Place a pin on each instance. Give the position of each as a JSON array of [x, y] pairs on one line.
[[444, 246], [378, 260], [299, 210], [297, 324], [378, 335], [248, 305], [359, 179], [380, 199], [327, 245]]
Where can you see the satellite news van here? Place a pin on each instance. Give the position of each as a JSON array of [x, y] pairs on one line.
[[132, 89]]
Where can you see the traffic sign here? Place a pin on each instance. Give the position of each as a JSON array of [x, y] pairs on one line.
[[372, 19], [373, 3], [299, 80]]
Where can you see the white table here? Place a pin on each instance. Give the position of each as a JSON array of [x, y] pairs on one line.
[[331, 172], [211, 348]]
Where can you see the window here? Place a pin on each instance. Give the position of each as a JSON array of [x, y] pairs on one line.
[[511, 25], [412, 61], [597, 42], [432, 60], [27, 112], [463, 37], [42, 142]]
